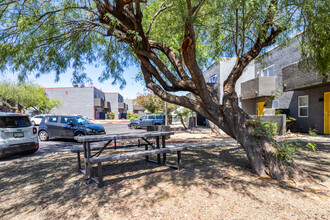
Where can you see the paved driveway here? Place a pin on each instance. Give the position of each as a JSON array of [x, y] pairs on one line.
[[53, 146]]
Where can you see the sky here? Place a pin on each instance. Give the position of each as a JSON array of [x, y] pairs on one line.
[[130, 91]]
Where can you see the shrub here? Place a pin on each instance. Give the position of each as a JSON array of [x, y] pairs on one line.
[[111, 115], [312, 132], [271, 128], [135, 116], [288, 149], [261, 128]]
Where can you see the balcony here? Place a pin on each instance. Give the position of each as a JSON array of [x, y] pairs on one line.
[[258, 87], [297, 78], [122, 105], [107, 106], [98, 102]]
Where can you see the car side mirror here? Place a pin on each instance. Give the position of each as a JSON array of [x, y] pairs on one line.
[[70, 123]]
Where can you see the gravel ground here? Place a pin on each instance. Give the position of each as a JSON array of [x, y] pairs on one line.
[[216, 182]]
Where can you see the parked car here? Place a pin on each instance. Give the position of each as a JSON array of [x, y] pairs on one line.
[[67, 126], [147, 120], [17, 135], [37, 119]]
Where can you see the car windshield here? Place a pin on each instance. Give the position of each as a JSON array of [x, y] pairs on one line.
[[82, 121], [14, 122]]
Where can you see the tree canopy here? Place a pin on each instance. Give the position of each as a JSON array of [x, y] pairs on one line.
[[38, 36], [22, 96]]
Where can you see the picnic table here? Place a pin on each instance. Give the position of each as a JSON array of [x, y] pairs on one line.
[[140, 139]]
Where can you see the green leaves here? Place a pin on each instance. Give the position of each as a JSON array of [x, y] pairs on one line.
[[153, 103], [288, 149], [41, 37], [27, 95], [52, 36]]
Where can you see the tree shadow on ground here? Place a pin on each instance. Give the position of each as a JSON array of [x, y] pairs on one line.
[[53, 186]]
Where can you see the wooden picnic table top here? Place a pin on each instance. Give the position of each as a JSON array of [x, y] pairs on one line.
[[107, 137]]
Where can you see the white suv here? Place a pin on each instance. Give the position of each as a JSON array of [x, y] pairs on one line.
[[17, 135], [37, 119]]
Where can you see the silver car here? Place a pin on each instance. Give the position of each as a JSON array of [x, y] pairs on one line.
[[17, 135]]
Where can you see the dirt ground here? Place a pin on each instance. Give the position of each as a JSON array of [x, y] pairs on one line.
[[216, 182]]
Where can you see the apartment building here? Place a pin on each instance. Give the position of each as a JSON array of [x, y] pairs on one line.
[[89, 102], [117, 104], [275, 81]]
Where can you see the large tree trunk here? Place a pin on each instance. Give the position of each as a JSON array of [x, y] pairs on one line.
[[260, 148]]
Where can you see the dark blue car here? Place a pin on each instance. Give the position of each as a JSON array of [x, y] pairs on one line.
[[67, 126]]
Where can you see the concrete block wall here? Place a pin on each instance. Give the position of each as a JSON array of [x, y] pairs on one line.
[[76, 100], [280, 121], [295, 77]]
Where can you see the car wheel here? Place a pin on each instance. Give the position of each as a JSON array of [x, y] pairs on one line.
[[157, 124], [133, 126], [43, 136], [79, 134]]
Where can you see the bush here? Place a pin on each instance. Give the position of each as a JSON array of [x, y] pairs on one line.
[[270, 127], [312, 132], [135, 116], [264, 128], [288, 149], [111, 115]]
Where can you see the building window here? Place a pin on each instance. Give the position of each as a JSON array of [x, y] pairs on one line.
[[303, 106], [213, 79], [275, 104], [269, 71]]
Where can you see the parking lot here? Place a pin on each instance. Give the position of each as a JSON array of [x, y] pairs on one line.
[[54, 146]]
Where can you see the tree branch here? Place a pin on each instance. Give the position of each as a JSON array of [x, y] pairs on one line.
[[161, 8]]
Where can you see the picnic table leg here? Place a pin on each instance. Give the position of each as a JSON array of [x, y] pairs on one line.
[[100, 174], [146, 147], [89, 165], [158, 147], [179, 159], [85, 156], [163, 146], [79, 162]]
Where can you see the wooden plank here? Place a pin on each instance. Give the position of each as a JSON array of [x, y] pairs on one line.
[[131, 155], [96, 138], [94, 148]]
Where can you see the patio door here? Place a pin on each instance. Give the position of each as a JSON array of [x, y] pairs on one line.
[[327, 113]]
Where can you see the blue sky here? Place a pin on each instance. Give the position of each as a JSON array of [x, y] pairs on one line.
[[130, 91]]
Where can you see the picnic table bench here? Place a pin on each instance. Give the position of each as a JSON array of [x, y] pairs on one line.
[[150, 149]]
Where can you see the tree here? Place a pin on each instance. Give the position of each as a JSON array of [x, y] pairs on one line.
[[54, 35], [153, 103], [22, 96], [182, 115]]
